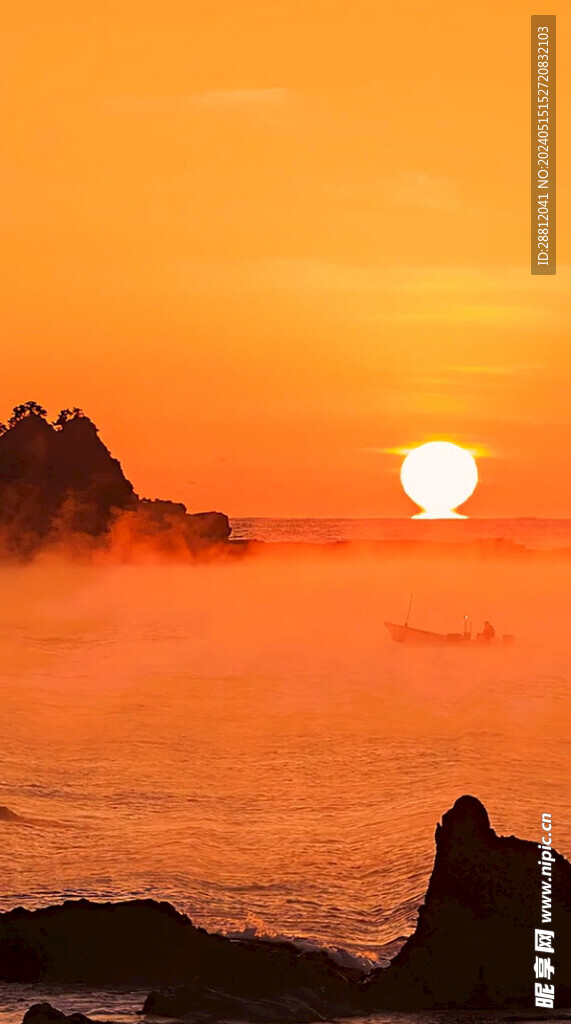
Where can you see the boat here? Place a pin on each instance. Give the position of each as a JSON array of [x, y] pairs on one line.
[[405, 634]]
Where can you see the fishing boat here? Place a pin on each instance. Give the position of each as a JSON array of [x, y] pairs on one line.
[[405, 634]]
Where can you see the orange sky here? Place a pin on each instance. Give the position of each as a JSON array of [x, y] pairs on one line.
[[262, 242]]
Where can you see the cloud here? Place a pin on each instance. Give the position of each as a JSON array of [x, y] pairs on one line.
[[257, 100], [427, 191], [370, 297], [237, 99], [317, 274], [482, 313], [463, 391], [421, 295], [478, 451], [509, 370]]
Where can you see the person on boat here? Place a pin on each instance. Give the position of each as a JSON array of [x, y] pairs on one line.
[[488, 631]]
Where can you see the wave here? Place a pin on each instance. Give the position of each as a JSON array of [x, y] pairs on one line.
[[497, 547], [11, 817]]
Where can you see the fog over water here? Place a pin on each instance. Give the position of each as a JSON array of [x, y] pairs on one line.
[[245, 740]]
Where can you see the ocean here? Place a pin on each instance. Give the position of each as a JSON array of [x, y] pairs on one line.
[[245, 740], [532, 533]]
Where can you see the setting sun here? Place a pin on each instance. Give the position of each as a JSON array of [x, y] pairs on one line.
[[439, 476]]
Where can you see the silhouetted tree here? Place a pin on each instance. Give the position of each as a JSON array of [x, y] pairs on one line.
[[67, 414], [3, 429], [19, 412]]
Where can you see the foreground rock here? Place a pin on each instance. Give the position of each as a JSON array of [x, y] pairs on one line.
[[44, 1013], [276, 1004], [138, 941], [474, 941], [142, 942], [7, 815], [473, 945]]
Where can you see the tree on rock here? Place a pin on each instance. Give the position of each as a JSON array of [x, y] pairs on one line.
[[19, 412], [67, 414]]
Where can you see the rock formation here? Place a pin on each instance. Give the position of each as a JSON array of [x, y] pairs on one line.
[[474, 941], [60, 482], [281, 1004], [473, 945], [44, 1013], [142, 942], [7, 815]]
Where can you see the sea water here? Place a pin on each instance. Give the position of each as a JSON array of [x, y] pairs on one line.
[[244, 740]]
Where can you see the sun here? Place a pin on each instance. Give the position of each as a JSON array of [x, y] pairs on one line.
[[439, 476]]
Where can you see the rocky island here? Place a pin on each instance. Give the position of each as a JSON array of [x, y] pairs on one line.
[[473, 946], [60, 484]]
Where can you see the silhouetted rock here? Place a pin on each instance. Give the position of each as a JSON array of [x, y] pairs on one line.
[[90, 480], [256, 980], [169, 527], [61, 482], [97, 943], [474, 941], [473, 945], [196, 1002], [57, 481], [45, 1013], [7, 815], [142, 942]]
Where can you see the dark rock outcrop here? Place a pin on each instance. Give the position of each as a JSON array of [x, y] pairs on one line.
[[257, 981], [61, 482], [474, 941], [135, 942], [7, 815], [198, 1002], [45, 1013], [473, 945], [53, 480], [169, 528], [142, 942]]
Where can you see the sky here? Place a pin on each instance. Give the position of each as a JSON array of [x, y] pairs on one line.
[[266, 245]]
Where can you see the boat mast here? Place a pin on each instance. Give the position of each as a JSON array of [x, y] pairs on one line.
[[409, 608]]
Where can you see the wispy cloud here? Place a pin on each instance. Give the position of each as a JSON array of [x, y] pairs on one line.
[[478, 451], [483, 313], [260, 101], [428, 191], [509, 370], [236, 99], [455, 296], [462, 391], [424, 281]]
